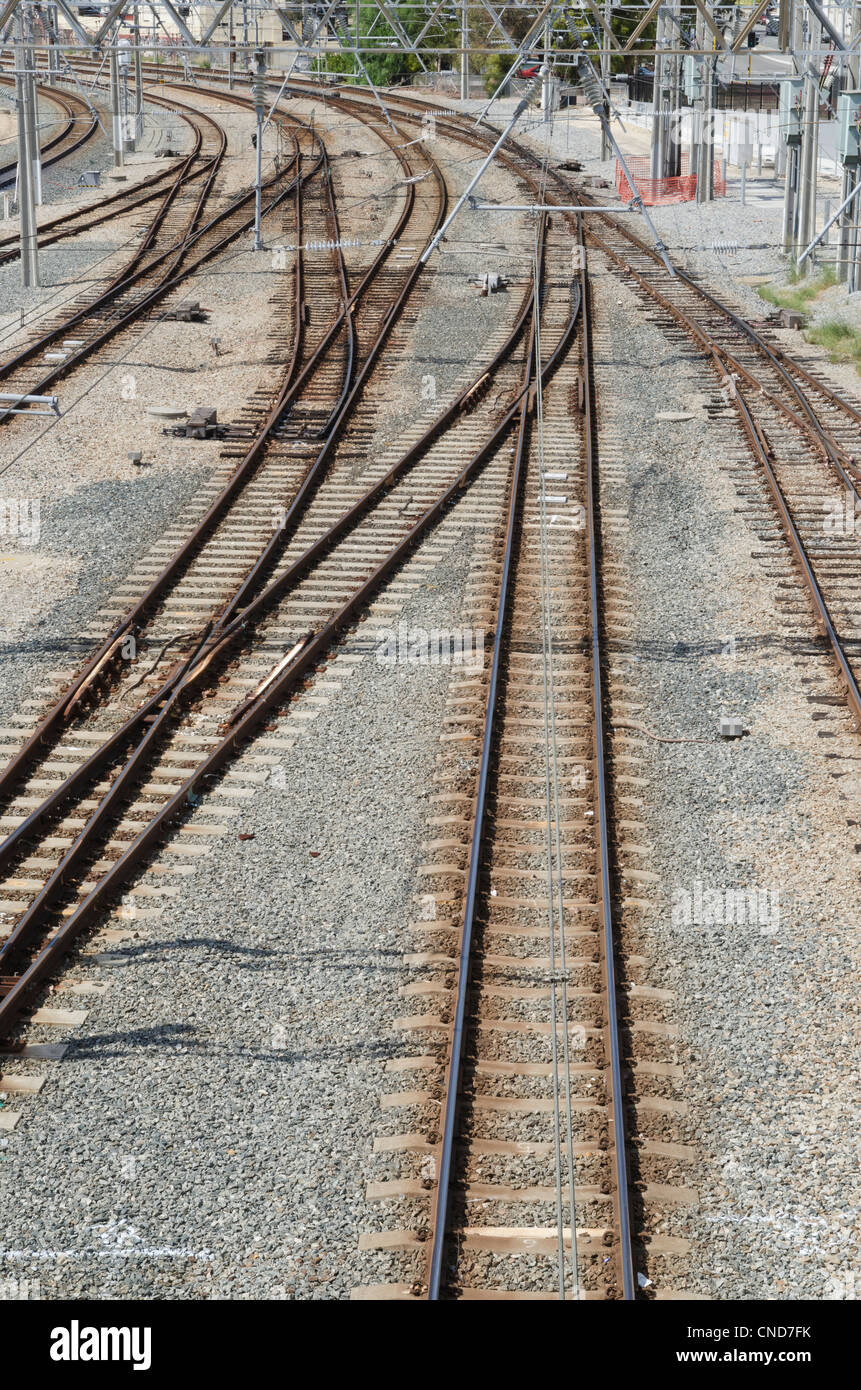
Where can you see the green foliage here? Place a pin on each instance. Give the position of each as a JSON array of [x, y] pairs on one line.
[[841, 340], [495, 69], [388, 65], [798, 293]]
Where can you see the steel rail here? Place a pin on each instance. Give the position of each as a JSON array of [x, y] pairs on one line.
[[445, 1162], [213, 634], [809, 421], [132, 272], [72, 698], [613, 1040], [761, 448], [192, 669], [66, 102], [347, 317], [53, 722], [89, 770], [162, 288], [442, 1202], [18, 989], [775, 354], [58, 228], [60, 711]]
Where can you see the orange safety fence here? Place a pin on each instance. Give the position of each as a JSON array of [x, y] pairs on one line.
[[681, 188]]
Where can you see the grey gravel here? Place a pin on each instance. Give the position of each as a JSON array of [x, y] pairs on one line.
[[210, 1130], [765, 1007], [108, 524]]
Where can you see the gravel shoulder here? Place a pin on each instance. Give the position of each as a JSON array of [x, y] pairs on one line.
[[764, 1000]]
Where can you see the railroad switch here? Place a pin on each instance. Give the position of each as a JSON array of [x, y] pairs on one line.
[[490, 283], [188, 313], [202, 423]]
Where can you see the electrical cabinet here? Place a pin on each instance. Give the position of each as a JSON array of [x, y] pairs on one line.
[[694, 77], [849, 128], [791, 108]]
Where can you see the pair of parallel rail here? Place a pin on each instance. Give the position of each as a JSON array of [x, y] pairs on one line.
[[738, 355]]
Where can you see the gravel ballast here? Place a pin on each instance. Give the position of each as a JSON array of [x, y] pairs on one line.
[[262, 1000], [765, 1006], [210, 1131]]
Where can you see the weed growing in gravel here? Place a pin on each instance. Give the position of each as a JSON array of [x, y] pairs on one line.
[[841, 340], [798, 293]]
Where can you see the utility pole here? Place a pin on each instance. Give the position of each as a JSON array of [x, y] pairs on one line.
[[605, 78], [657, 151], [116, 120], [673, 149], [464, 51], [697, 107], [793, 148], [258, 89], [847, 222], [230, 54], [138, 76], [546, 79], [27, 150], [53, 41], [809, 139], [122, 73], [706, 167]]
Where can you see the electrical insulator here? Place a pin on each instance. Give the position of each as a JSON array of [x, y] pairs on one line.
[[591, 86]]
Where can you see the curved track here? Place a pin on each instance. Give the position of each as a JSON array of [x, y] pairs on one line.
[[79, 125], [527, 979]]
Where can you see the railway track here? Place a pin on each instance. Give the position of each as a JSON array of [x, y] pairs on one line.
[[79, 125], [520, 972], [803, 435], [115, 205], [177, 242], [526, 1106], [218, 574]]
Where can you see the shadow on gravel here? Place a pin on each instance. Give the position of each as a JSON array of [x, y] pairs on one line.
[[158, 950], [168, 1036]]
